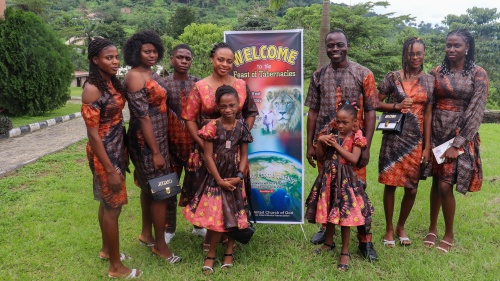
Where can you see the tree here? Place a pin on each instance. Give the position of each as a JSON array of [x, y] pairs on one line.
[[201, 38], [257, 20], [323, 30], [113, 32], [36, 6], [182, 17], [35, 66]]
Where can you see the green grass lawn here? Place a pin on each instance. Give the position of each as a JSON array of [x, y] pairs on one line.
[[69, 108], [75, 91], [49, 231]]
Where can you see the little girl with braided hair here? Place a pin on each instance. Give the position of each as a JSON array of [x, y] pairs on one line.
[[337, 197]]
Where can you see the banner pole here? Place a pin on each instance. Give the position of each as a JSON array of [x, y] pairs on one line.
[[303, 231]]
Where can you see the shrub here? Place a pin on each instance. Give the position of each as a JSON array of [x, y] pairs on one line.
[[35, 65], [5, 124]]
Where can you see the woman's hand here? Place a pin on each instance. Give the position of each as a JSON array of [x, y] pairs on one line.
[[450, 155], [115, 180], [159, 162], [426, 155], [226, 185], [404, 105]]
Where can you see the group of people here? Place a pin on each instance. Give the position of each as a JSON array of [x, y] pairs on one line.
[[446, 105], [203, 127]]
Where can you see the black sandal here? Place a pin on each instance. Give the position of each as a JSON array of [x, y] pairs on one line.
[[227, 265], [331, 247], [341, 266], [207, 269]]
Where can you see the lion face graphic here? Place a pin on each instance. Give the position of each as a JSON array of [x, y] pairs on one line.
[[285, 105]]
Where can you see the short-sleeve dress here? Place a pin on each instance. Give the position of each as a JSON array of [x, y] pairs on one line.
[[201, 108], [149, 101], [460, 101], [213, 207], [400, 154], [337, 195], [106, 114]]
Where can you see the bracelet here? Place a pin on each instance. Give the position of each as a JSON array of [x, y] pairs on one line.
[[394, 107], [240, 175]]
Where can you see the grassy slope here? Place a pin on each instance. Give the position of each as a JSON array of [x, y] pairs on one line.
[[49, 231]]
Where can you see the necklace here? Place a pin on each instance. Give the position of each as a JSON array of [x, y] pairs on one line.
[[228, 140], [145, 69], [218, 84]]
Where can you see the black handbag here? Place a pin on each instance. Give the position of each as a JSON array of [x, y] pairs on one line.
[[165, 186], [392, 122], [244, 235]]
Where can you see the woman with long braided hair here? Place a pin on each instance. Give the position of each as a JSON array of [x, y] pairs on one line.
[[102, 103], [460, 94], [401, 155]]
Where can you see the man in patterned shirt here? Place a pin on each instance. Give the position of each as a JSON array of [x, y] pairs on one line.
[[180, 142], [331, 86]]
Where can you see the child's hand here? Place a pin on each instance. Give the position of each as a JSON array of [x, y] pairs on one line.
[[328, 140], [234, 181], [226, 185]]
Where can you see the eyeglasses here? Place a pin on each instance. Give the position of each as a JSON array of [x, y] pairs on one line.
[[417, 54]]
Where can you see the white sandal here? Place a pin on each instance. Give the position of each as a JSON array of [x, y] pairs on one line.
[[389, 243], [443, 249], [402, 241], [430, 244], [132, 275]]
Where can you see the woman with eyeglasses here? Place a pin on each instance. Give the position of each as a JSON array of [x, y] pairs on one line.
[[402, 155], [460, 92]]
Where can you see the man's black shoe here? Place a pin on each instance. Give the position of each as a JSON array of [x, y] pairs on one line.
[[319, 237], [367, 251]]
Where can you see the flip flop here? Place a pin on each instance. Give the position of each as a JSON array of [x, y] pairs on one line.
[[146, 243], [428, 243], [389, 243], [122, 257], [443, 249], [132, 275], [404, 241], [172, 259]]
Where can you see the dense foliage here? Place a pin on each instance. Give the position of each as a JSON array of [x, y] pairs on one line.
[[35, 66], [376, 39]]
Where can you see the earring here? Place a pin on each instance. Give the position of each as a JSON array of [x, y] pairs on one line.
[[466, 51]]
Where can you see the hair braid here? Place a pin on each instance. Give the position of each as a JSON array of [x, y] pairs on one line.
[[408, 44], [469, 57], [220, 45], [225, 90], [95, 78]]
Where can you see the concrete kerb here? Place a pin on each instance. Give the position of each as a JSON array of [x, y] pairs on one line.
[[39, 125]]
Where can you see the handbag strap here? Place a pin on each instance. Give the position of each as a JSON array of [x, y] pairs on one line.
[[401, 83]]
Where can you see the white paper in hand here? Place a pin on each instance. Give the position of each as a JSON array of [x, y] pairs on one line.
[[441, 149]]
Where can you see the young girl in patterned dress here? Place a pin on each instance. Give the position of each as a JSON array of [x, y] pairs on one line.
[[219, 204], [337, 197]]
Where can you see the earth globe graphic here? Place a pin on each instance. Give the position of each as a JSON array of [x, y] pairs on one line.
[[276, 181]]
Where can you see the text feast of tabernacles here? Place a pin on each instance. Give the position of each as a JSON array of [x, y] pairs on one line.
[[265, 52]]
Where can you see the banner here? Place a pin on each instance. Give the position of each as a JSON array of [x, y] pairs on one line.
[[271, 64]]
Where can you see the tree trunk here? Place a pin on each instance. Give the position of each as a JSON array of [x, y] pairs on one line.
[[2, 8], [323, 31]]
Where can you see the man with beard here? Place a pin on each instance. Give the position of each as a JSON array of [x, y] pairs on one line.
[[334, 84]]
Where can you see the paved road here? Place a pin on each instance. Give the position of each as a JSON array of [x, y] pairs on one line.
[[27, 148]]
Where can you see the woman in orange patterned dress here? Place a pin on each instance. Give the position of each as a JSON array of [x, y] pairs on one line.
[[460, 92], [148, 142], [402, 154], [201, 108], [102, 104]]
